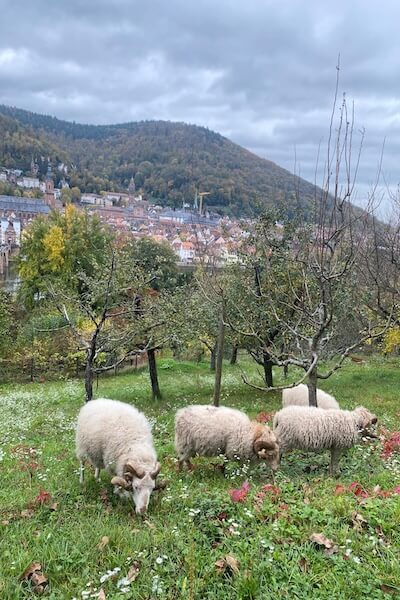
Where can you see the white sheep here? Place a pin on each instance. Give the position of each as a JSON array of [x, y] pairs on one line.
[[210, 431], [116, 436], [298, 396], [314, 429]]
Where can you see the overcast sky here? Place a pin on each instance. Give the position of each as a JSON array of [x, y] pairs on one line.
[[261, 72]]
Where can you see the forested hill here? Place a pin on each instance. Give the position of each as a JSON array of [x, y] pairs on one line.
[[168, 161]]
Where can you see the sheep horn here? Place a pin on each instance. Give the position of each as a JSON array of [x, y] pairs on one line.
[[121, 482], [264, 445], [154, 473], [131, 471]]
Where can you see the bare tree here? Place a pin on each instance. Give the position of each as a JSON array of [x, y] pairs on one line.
[[312, 279]]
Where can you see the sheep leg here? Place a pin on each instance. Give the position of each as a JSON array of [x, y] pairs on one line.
[[97, 474], [335, 456], [81, 472]]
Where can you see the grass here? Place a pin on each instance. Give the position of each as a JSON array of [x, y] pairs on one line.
[[193, 523]]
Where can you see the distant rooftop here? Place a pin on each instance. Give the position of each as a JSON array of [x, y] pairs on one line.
[[18, 204]]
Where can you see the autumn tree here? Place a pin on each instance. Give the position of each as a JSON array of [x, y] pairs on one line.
[[61, 248]]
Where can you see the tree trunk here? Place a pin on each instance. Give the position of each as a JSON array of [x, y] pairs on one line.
[[213, 357], [312, 388], [155, 388], [234, 355], [220, 355], [89, 380], [267, 364]]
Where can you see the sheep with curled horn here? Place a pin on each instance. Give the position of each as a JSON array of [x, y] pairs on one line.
[[209, 431], [116, 436]]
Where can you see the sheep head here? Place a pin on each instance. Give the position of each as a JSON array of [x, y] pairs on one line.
[[265, 445], [365, 420], [140, 483]]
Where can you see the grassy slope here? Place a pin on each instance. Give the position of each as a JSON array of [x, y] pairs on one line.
[[182, 529]]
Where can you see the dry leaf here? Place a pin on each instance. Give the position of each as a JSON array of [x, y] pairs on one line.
[[133, 571], [228, 564], [27, 513], [232, 563], [34, 566], [358, 521], [102, 595], [220, 565], [5, 522], [321, 540], [103, 542], [54, 506], [389, 589], [33, 574], [149, 524], [303, 564]]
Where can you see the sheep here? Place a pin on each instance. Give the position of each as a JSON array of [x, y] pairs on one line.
[[313, 429], [116, 436], [210, 431], [298, 396]]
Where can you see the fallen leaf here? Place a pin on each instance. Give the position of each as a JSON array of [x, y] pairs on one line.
[[396, 490], [220, 565], [54, 506], [149, 524], [42, 497], [358, 521], [228, 565], [265, 417], [27, 513], [102, 595], [272, 489], [103, 542], [339, 489], [34, 566], [5, 522], [133, 571], [358, 490], [33, 574], [239, 494], [389, 589], [321, 540], [303, 564], [232, 563]]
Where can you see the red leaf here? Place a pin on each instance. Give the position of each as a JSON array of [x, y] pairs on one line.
[[273, 489], [42, 497], [239, 494], [264, 417], [339, 489], [396, 490], [358, 490]]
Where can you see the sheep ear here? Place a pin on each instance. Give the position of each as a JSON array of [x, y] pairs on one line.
[[121, 482], [131, 471]]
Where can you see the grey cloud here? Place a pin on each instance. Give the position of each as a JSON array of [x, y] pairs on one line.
[[261, 72]]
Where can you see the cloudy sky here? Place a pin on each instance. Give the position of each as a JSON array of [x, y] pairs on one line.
[[261, 72]]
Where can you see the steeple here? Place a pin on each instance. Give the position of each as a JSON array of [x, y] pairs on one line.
[[49, 190]]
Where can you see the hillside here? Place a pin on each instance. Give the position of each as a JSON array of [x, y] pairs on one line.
[[168, 161]]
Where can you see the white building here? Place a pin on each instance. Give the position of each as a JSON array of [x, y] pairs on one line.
[[28, 182]]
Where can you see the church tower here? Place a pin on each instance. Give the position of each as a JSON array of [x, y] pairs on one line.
[[49, 190]]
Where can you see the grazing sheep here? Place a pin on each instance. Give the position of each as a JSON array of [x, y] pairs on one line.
[[116, 436], [298, 396], [314, 429], [211, 430]]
